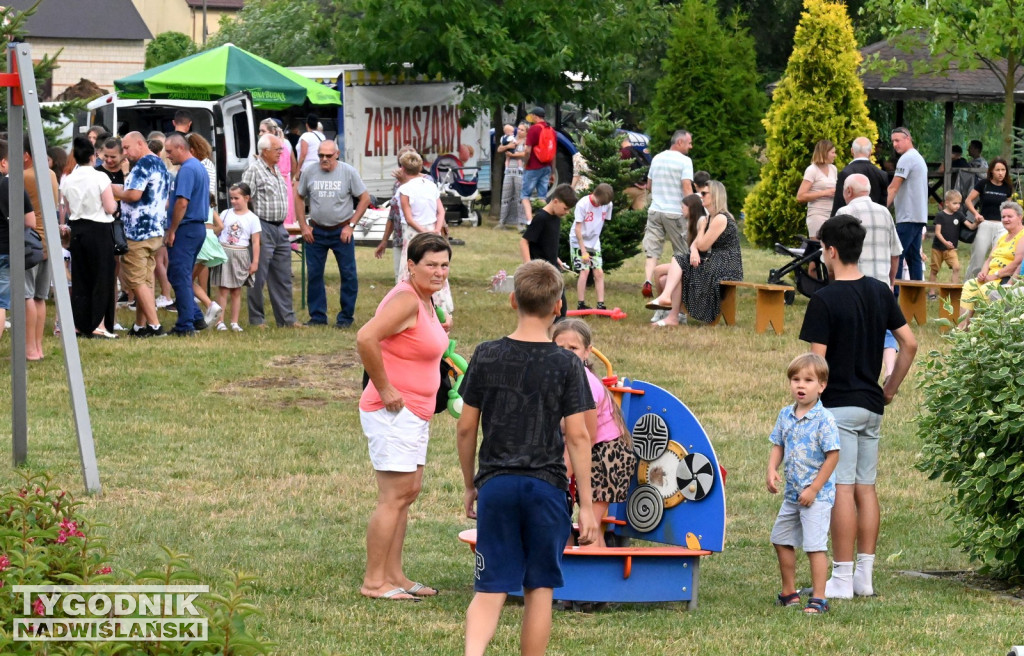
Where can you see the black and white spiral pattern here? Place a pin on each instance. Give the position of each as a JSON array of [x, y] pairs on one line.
[[645, 508], [650, 436], [696, 476]]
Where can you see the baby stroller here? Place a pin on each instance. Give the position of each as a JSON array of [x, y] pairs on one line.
[[458, 193], [807, 283]]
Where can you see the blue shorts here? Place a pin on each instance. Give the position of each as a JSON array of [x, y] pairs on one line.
[[522, 527], [5, 282], [536, 179], [890, 341]]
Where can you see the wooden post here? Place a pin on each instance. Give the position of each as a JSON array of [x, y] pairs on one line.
[[947, 149]]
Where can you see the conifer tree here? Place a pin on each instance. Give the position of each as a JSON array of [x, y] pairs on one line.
[[12, 29], [710, 87], [819, 97], [621, 237]]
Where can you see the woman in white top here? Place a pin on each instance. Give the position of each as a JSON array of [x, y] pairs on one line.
[[309, 145], [90, 202], [819, 186], [422, 211]]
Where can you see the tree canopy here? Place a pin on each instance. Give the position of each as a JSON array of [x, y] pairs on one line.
[[293, 32], [517, 51], [819, 97], [167, 47], [982, 33]]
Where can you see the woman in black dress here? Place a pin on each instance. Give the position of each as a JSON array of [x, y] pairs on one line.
[[714, 256]]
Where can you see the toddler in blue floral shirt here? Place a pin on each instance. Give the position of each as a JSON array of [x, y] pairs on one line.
[[805, 441]]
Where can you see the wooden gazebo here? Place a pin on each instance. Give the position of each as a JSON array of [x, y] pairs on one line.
[[954, 85]]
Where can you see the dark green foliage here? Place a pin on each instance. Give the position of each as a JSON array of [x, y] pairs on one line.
[[972, 433], [820, 97], [621, 237], [168, 47], [12, 28], [293, 32], [709, 86]]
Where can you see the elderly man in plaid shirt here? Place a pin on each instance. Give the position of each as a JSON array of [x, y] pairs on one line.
[[270, 203]]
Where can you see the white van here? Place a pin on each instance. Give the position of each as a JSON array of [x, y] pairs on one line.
[[226, 123]]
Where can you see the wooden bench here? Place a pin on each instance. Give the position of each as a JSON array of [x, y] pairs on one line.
[[913, 300], [769, 309]]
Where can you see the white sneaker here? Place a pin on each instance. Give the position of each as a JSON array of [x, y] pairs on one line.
[[659, 315], [235, 327], [213, 312], [221, 326], [162, 301], [118, 328], [681, 317]]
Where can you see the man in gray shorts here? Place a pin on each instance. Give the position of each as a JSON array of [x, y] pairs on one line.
[[671, 178]]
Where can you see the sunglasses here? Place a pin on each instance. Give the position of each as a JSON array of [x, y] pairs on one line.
[[323, 156]]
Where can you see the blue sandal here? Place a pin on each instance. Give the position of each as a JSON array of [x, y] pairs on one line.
[[792, 599], [816, 606]]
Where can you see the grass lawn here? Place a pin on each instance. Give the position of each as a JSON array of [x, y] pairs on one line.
[[244, 450]]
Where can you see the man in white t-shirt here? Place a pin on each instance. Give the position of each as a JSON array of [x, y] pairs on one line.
[[671, 178], [909, 191]]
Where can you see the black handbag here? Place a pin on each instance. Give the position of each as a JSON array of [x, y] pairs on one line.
[[120, 241], [966, 234], [33, 248]]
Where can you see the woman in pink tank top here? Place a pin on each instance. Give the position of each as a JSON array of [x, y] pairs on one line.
[[401, 349]]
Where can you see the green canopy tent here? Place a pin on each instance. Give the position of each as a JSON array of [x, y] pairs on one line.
[[219, 72]]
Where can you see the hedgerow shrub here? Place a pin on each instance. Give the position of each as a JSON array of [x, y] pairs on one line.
[[972, 427], [819, 97], [710, 86], [46, 540]]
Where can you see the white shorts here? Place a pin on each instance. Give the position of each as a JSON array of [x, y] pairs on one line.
[[397, 440]]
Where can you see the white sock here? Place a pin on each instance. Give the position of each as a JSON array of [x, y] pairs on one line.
[[840, 586], [862, 579], [138, 327]]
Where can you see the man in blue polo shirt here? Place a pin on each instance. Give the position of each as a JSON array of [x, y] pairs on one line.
[[190, 204]]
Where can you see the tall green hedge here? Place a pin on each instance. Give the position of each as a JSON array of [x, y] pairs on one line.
[[819, 97], [710, 86]]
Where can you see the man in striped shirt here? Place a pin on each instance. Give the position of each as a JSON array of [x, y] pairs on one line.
[[270, 203]]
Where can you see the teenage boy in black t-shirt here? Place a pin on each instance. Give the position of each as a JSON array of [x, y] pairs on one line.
[[846, 323], [540, 240], [519, 388]]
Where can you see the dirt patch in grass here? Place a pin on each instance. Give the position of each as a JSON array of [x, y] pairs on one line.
[[1011, 590], [326, 376]]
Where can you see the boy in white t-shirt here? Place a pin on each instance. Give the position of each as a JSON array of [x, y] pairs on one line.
[[585, 242]]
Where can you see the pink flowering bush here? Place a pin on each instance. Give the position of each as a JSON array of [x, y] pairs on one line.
[[46, 540]]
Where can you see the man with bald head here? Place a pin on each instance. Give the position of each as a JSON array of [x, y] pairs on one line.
[[877, 178], [190, 205], [270, 203], [882, 247], [330, 188], [144, 211]]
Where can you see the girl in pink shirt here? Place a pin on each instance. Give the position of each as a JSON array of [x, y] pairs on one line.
[[612, 459]]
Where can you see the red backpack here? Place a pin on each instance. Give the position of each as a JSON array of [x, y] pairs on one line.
[[547, 145]]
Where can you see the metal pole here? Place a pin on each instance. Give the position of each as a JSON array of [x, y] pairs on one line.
[[16, 222], [72, 360], [205, 31]]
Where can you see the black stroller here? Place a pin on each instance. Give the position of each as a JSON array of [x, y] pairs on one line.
[[807, 283]]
